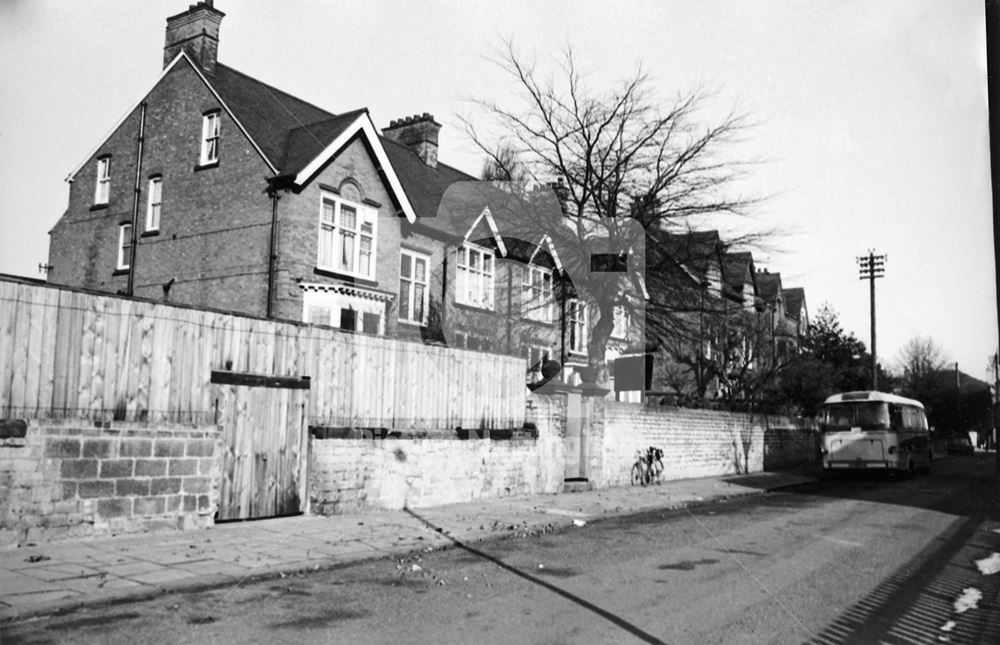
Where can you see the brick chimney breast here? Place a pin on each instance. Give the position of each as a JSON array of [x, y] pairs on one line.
[[419, 133], [195, 31]]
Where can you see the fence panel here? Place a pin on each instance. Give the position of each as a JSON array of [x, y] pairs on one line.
[[71, 354]]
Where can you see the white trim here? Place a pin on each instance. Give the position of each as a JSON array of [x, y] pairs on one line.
[[552, 251], [158, 182], [488, 291], [159, 78], [362, 214], [493, 229], [363, 124], [124, 262]]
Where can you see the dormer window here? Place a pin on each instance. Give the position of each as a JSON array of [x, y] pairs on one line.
[[210, 137], [103, 189]]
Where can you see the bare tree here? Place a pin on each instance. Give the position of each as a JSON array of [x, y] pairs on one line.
[[919, 361], [615, 157]]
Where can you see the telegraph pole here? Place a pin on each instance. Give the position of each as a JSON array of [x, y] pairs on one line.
[[872, 266]]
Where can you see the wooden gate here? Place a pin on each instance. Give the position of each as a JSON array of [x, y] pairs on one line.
[[264, 438]]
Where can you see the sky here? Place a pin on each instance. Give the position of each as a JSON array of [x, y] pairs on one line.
[[870, 117]]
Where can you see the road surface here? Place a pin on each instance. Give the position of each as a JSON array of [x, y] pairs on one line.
[[863, 560]]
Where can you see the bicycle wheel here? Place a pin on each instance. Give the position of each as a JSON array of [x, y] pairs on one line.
[[647, 476], [637, 475]]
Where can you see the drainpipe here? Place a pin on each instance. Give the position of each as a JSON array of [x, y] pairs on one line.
[[136, 194], [271, 255], [510, 288]]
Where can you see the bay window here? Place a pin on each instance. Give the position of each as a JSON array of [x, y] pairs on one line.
[[538, 301], [474, 277], [576, 326]]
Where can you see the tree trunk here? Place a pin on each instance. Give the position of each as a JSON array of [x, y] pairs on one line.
[[597, 346]]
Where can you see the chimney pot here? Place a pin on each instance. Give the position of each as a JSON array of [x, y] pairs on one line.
[[419, 133], [196, 32]]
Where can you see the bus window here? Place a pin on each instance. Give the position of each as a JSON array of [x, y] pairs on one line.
[[868, 415], [897, 416]]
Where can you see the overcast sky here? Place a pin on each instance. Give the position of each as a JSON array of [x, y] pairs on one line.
[[872, 116]]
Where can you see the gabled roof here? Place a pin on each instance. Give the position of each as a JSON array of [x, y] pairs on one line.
[[769, 286], [293, 137], [268, 115], [794, 300], [693, 249], [424, 185]]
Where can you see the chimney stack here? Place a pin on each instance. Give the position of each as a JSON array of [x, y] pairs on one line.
[[195, 31], [419, 133]]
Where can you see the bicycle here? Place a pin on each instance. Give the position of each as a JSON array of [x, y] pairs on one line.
[[648, 466]]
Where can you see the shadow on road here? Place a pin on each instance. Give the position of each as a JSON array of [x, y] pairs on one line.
[[603, 613]]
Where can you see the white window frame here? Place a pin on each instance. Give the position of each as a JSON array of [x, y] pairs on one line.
[[539, 300], [333, 235], [211, 131], [124, 246], [102, 189], [576, 326], [155, 203], [474, 285], [410, 299]]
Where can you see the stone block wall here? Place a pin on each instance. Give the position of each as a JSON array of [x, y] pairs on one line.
[[347, 475], [66, 479]]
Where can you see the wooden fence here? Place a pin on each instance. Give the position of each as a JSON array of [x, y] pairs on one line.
[[66, 353]]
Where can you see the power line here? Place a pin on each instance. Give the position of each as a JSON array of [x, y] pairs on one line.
[[872, 266]]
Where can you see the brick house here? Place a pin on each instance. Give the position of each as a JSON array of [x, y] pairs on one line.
[[217, 190]]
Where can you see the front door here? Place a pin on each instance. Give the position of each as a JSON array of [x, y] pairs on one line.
[[264, 437]]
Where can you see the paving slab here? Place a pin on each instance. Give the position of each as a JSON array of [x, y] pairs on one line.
[[47, 578]]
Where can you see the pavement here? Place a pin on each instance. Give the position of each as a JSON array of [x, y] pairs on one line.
[[59, 577]]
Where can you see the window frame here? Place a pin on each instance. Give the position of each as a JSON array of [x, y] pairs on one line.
[[536, 303], [102, 187], [410, 299], [209, 152], [124, 247], [576, 326], [484, 280], [337, 233], [154, 208]]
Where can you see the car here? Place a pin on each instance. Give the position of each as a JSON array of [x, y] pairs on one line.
[[960, 445]]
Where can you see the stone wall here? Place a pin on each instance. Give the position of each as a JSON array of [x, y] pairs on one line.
[[347, 475], [65, 479]]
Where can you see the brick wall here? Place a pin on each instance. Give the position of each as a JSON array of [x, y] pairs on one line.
[[700, 443], [65, 479], [348, 475], [215, 222]]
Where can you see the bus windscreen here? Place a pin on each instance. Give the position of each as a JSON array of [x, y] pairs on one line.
[[867, 415]]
